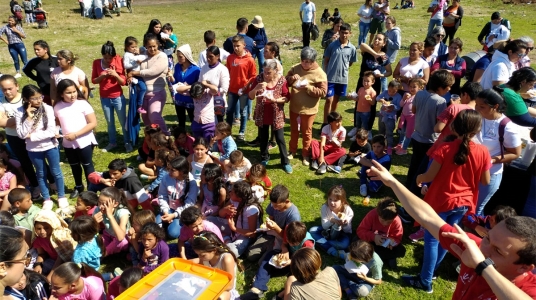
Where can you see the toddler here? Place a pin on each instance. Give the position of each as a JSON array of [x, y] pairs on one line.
[[131, 61], [390, 100], [222, 142], [236, 167], [359, 147], [407, 118], [378, 154], [366, 99]]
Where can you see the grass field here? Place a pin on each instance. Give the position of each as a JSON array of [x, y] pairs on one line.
[[190, 19]]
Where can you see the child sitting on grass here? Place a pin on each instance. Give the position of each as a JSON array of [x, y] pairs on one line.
[[199, 158], [212, 192], [361, 262], [261, 184], [152, 249], [236, 167], [158, 141], [145, 152], [482, 224], [222, 142], [359, 147], [121, 283], [162, 159], [183, 141], [139, 219], [22, 208], [86, 203], [327, 153], [378, 154], [336, 216], [382, 227], [193, 224], [77, 281]]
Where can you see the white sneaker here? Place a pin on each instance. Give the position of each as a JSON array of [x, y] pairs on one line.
[[352, 132], [18, 75], [363, 190], [47, 205]]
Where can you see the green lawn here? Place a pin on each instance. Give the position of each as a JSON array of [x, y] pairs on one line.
[[190, 19]]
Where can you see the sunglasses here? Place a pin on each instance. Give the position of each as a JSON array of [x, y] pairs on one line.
[[26, 261], [521, 55], [530, 48]]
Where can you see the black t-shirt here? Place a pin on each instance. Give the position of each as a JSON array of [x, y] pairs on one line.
[[42, 68], [363, 149]]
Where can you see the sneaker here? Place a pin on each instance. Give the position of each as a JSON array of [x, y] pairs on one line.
[[253, 293], [352, 132], [290, 155], [322, 169], [271, 145], [109, 147], [434, 275], [236, 121], [47, 205], [36, 193], [287, 168], [63, 202], [118, 272], [363, 190], [76, 191], [418, 235], [389, 151], [18, 75], [254, 143], [241, 137], [335, 169], [415, 282], [314, 165], [398, 146], [128, 148], [264, 163], [140, 110], [305, 162], [401, 152]]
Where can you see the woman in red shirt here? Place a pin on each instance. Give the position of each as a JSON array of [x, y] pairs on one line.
[[457, 168], [109, 73]]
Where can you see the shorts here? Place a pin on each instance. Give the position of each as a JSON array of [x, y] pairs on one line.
[[376, 26], [338, 89]]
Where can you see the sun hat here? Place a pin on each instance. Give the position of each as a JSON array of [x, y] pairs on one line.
[[187, 52], [257, 22]]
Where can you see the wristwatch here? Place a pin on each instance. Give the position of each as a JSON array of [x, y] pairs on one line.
[[481, 266]]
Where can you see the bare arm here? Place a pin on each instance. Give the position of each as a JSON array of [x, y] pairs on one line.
[[439, 126]]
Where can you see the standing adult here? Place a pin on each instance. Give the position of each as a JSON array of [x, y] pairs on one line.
[[42, 65], [67, 70], [436, 19], [155, 27], [454, 64], [13, 260], [215, 76], [413, 66], [257, 32], [453, 20], [331, 35], [521, 82], [242, 29], [496, 21], [153, 71], [308, 19], [491, 105], [503, 64], [15, 45], [525, 60], [438, 33], [365, 17], [108, 72], [304, 100], [271, 92], [186, 72]]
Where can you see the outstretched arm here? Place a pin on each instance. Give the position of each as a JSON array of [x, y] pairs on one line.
[[423, 213]]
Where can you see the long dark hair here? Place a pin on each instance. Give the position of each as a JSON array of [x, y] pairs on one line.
[[207, 241], [40, 114], [152, 24], [43, 45], [108, 48], [212, 171], [63, 85], [71, 272], [466, 124], [84, 229], [181, 164], [117, 195], [526, 74], [11, 243], [242, 190], [5, 163], [493, 97]]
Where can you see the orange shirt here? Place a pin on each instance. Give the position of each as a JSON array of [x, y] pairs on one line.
[[241, 70], [362, 104]]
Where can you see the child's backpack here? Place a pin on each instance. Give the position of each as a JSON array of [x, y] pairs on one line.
[[502, 126], [219, 105]]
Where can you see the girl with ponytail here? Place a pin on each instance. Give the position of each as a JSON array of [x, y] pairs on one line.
[[76, 281], [456, 170]]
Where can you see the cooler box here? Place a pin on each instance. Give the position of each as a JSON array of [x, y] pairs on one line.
[[179, 279]]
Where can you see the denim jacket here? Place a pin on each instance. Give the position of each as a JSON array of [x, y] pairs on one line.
[[227, 145]]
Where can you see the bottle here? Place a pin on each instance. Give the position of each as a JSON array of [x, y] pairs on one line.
[[366, 201], [420, 74]]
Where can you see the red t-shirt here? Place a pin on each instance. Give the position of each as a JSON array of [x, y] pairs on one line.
[[109, 87], [470, 286], [46, 245], [447, 116], [88, 213], [456, 186], [241, 70], [370, 226], [188, 145]]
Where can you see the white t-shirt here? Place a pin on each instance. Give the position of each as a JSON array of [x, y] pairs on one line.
[[72, 117], [242, 221], [336, 136], [413, 70], [500, 69], [203, 57], [365, 11], [307, 12], [76, 75], [489, 137], [439, 14], [10, 109]]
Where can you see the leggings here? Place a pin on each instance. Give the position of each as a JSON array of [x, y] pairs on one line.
[[181, 115], [80, 158]]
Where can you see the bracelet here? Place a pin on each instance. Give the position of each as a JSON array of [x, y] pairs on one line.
[[483, 265]]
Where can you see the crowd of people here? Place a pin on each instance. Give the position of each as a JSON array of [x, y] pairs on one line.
[[205, 193]]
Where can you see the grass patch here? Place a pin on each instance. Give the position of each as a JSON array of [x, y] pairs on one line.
[[190, 19]]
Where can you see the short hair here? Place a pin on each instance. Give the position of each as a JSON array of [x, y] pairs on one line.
[[472, 89], [6, 77], [391, 18], [420, 45], [386, 209], [224, 128], [308, 53], [395, 84], [167, 26], [524, 228], [437, 30], [238, 39], [270, 63], [361, 250], [18, 194], [305, 264], [379, 139], [143, 217], [241, 24], [280, 193], [84, 228], [361, 134], [209, 36], [117, 165], [89, 198], [257, 171], [346, 26], [334, 116], [369, 74], [190, 215], [430, 42], [527, 39], [458, 42], [295, 232], [503, 212], [440, 79], [495, 15], [236, 157]]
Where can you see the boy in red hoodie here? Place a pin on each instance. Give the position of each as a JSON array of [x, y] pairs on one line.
[[383, 228], [241, 70]]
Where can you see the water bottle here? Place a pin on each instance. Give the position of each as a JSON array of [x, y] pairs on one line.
[[420, 74]]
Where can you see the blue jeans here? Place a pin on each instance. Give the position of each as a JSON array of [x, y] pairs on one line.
[[259, 55], [138, 91], [372, 185], [109, 105], [266, 271], [384, 84], [52, 156], [387, 126], [239, 245], [17, 50], [432, 24], [234, 104], [433, 252], [363, 32], [485, 192], [340, 242], [362, 120], [173, 229], [349, 280]]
